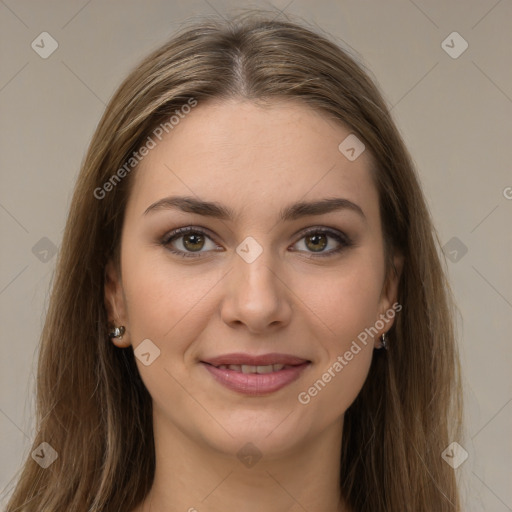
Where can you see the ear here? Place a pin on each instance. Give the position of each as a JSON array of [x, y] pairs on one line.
[[115, 303], [388, 304]]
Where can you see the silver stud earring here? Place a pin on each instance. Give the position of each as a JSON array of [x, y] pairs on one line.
[[117, 332], [384, 341]]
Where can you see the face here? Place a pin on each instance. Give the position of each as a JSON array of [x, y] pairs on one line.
[[244, 321]]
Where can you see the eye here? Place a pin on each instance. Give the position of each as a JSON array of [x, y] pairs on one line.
[[193, 239], [316, 240]]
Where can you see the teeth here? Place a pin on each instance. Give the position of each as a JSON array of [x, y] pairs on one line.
[[264, 369], [245, 368]]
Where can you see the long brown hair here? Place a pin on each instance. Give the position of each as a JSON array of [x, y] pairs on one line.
[[92, 407]]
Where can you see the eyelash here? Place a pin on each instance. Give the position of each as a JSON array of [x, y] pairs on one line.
[[340, 237]]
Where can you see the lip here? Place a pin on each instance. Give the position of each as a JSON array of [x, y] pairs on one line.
[[253, 383], [253, 360]]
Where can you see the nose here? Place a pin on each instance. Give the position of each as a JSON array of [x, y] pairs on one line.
[[256, 295]]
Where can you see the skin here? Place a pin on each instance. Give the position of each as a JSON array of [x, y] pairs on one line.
[[255, 160]]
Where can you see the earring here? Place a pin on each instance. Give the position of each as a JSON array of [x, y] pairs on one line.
[[117, 332], [384, 341]]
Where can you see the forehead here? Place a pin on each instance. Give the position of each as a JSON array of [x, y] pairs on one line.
[[250, 157]]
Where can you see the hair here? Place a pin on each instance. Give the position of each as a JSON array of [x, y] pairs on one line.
[[92, 406]]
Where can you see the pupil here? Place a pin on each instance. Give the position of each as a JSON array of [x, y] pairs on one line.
[[193, 237], [316, 246]]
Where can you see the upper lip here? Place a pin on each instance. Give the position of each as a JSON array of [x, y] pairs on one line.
[[252, 360]]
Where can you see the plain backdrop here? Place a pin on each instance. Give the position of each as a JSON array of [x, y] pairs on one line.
[[452, 104]]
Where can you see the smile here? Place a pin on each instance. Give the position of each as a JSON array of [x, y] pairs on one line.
[[245, 368], [255, 375]]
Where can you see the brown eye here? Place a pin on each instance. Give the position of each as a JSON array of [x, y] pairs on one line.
[[188, 242], [316, 242], [317, 239], [193, 242]]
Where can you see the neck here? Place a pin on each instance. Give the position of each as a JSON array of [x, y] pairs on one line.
[[193, 477]]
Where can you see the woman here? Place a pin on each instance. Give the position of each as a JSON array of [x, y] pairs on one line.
[[249, 311]]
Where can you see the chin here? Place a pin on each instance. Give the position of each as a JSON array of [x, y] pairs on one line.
[[269, 433]]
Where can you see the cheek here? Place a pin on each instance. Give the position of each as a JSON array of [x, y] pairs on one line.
[[168, 306], [165, 302], [348, 306], [346, 299], [354, 309], [349, 309], [336, 385]]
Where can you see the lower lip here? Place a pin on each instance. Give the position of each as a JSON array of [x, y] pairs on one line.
[[254, 383]]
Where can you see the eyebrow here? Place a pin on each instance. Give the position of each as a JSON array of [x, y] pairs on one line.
[[288, 213]]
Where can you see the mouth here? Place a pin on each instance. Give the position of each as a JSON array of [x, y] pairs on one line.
[[255, 375], [245, 368]]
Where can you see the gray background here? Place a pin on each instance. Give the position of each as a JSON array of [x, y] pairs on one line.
[[455, 115]]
